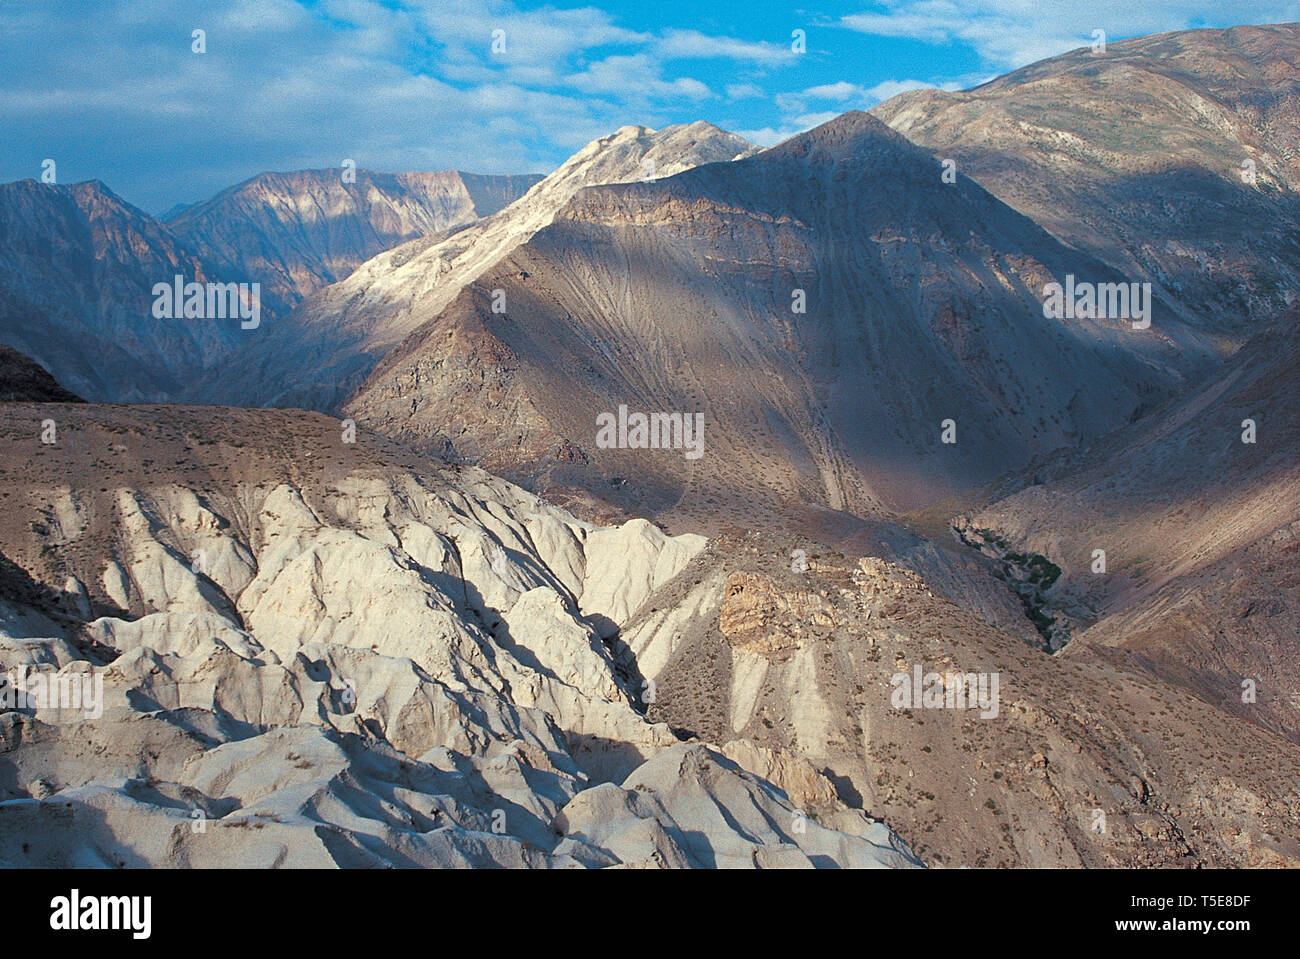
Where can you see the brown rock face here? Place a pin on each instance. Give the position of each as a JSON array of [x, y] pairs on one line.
[[759, 617]]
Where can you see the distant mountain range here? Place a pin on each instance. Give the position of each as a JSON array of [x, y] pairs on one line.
[[76, 285], [296, 232]]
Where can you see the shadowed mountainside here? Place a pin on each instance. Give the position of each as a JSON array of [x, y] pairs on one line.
[[22, 380], [1173, 158], [923, 303], [76, 286]]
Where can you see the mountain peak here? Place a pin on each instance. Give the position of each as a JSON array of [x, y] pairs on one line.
[[851, 135], [1175, 138], [631, 131]]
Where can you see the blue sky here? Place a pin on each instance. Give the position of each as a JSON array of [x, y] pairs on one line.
[[112, 89]]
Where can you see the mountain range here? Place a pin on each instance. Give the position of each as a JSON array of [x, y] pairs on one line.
[[824, 306], [296, 232], [77, 287], [592, 519], [347, 328]]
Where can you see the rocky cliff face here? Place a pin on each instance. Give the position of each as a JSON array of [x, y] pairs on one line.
[[830, 307], [331, 653], [296, 232], [1151, 156]]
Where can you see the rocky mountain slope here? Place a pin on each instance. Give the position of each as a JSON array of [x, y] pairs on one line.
[[1197, 508], [22, 380], [827, 307], [1083, 760], [76, 283], [1151, 156], [317, 652], [318, 355], [296, 232]]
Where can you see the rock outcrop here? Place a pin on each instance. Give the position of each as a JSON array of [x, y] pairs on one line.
[[22, 380], [232, 638]]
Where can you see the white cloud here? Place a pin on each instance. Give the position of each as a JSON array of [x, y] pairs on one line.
[[807, 121], [638, 76], [289, 84], [691, 44], [531, 36], [1012, 33], [843, 90]]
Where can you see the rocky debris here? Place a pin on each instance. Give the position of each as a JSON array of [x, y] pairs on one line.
[[757, 616], [887, 586], [1019, 785]]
